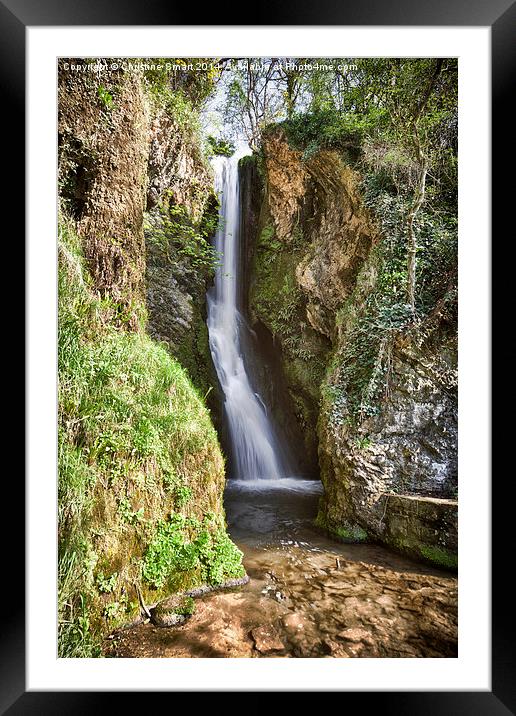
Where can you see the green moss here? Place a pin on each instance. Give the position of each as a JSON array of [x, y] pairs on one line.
[[247, 160], [438, 556], [187, 607], [279, 303], [181, 606], [350, 534], [345, 532], [433, 554]]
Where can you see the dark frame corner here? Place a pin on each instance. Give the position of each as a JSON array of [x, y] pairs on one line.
[[500, 15]]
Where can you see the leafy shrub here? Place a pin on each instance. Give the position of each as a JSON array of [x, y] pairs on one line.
[[220, 147], [179, 238], [165, 75], [211, 553], [360, 372], [106, 584], [436, 230], [328, 129], [105, 97]]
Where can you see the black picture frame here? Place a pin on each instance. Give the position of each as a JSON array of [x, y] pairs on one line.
[[500, 16]]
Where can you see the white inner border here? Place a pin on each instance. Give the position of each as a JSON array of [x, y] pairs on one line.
[[471, 670]]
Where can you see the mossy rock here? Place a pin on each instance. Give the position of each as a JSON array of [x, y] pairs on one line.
[[439, 557], [172, 611], [228, 584], [344, 532], [350, 533]]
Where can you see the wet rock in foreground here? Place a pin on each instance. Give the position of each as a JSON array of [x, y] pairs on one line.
[[362, 609]]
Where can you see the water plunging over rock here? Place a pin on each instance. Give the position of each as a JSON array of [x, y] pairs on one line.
[[255, 446]]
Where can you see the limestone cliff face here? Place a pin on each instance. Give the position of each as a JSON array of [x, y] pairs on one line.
[[409, 447], [318, 199], [316, 266], [120, 156], [176, 308], [103, 154], [176, 166], [179, 178], [313, 237]]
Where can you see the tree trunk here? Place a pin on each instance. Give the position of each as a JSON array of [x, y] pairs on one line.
[[419, 195]]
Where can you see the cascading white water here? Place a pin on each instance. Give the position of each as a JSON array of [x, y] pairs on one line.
[[255, 447]]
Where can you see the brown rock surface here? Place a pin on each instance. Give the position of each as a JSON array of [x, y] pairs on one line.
[[103, 154], [363, 609], [266, 639]]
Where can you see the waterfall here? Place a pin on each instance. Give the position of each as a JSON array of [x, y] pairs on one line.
[[255, 447]]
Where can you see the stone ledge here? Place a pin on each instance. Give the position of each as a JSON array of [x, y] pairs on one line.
[[422, 527], [421, 498]]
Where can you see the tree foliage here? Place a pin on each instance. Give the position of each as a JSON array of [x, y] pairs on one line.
[[398, 114]]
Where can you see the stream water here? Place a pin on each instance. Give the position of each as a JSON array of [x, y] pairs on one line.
[[308, 596]]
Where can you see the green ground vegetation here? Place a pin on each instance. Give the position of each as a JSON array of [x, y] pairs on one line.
[[137, 453]]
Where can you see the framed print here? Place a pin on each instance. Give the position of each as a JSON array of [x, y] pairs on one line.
[[261, 244]]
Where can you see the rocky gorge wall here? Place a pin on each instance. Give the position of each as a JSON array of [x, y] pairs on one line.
[[374, 397], [103, 140], [124, 162], [181, 180], [141, 472]]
